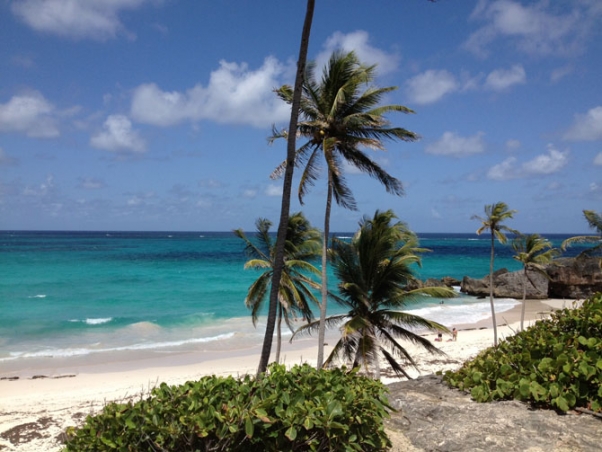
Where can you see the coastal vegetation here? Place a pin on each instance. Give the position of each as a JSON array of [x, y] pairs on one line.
[[495, 215], [374, 271], [301, 409], [339, 115], [295, 295], [534, 252], [555, 363]]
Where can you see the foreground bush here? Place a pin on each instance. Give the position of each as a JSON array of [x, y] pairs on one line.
[[555, 363], [298, 410]]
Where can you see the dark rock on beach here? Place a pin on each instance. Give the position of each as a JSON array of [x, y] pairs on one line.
[[577, 278], [433, 417]]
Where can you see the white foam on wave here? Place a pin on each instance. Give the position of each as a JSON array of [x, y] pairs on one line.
[[38, 296], [99, 321], [71, 352], [455, 314]]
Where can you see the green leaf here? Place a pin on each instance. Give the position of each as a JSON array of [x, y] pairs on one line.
[[291, 433], [249, 427]]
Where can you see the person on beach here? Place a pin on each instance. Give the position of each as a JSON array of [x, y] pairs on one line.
[[454, 334], [439, 338]]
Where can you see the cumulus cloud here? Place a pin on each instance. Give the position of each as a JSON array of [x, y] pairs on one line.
[[91, 19], [30, 114], [117, 135], [273, 190], [587, 127], [431, 86], [502, 79], [234, 95], [544, 164], [90, 183], [598, 159], [536, 28], [513, 145], [358, 41], [454, 145]]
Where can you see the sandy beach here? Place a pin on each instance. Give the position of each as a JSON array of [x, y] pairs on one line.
[[36, 405]]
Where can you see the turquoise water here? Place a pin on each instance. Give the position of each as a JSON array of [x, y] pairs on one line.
[[80, 293]]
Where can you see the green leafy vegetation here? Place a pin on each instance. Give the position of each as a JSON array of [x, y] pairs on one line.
[[555, 363], [298, 410]]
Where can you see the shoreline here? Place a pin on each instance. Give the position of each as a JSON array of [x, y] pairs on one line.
[[65, 397]]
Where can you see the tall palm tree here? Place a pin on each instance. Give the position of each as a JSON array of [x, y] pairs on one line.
[[534, 252], [495, 215], [374, 271], [286, 190], [594, 221], [340, 115], [303, 244]]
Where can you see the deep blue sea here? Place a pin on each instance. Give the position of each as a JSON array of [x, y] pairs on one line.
[[80, 293]]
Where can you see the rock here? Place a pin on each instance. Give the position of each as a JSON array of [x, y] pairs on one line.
[[578, 277], [507, 285], [434, 417]]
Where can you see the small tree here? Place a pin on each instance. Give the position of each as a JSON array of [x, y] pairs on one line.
[[495, 215], [594, 221], [534, 252], [374, 271], [295, 294]]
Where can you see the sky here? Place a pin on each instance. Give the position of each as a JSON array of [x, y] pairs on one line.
[[154, 115]]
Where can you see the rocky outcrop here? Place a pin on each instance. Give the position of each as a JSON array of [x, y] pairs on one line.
[[507, 285], [577, 277], [432, 417], [569, 277]]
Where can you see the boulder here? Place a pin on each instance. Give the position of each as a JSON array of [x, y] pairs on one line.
[[507, 285], [574, 277]]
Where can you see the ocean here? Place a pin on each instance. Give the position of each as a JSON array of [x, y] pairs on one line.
[[78, 294]]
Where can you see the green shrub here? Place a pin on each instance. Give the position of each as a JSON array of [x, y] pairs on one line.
[[298, 410], [555, 363]]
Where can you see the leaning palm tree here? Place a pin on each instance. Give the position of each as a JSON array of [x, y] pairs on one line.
[[594, 221], [495, 215], [534, 252], [340, 115], [303, 244], [374, 271]]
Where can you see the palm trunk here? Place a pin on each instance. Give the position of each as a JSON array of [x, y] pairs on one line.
[[322, 323], [286, 190], [491, 291], [522, 311], [279, 334]]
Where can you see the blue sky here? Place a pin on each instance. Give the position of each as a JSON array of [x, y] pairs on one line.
[[154, 114]]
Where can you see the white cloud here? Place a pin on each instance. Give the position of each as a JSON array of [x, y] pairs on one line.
[[535, 29], [560, 73], [431, 86], [453, 145], [90, 183], [118, 135], [249, 193], [30, 114], [94, 19], [541, 165], [598, 159], [502, 79], [358, 41], [435, 214], [273, 190], [513, 145], [235, 95], [587, 127]]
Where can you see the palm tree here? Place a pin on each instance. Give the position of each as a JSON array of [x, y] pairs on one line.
[[338, 119], [286, 190], [534, 252], [374, 270], [294, 295], [594, 221], [495, 215]]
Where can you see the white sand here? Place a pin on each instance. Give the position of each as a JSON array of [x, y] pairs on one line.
[[57, 403]]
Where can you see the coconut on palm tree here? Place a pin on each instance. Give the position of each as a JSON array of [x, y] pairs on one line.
[[534, 252], [495, 215], [594, 221], [295, 296], [340, 116], [374, 270]]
